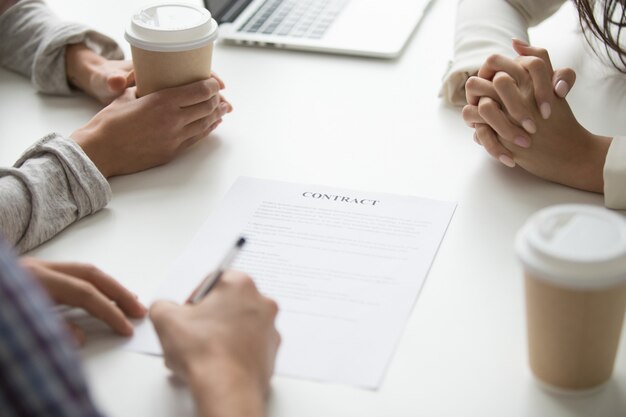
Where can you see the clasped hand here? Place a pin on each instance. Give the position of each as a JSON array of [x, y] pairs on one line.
[[518, 110], [133, 134]]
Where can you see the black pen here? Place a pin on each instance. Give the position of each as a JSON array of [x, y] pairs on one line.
[[209, 282]]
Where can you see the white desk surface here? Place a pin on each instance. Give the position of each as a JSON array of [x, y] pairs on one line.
[[360, 123]]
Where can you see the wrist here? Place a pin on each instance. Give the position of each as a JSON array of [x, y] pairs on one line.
[[222, 388], [84, 138], [592, 168]]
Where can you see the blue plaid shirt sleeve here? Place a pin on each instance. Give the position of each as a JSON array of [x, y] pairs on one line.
[[40, 373]]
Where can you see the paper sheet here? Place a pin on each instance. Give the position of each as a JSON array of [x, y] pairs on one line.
[[344, 266]]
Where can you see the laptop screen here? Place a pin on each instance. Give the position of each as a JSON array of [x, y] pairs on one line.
[[225, 10]]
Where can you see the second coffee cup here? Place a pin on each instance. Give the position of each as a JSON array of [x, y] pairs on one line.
[[574, 259], [171, 45]]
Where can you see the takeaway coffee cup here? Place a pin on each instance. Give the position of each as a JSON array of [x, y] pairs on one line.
[[574, 259], [171, 44]]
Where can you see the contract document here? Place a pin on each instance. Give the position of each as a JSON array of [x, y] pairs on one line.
[[345, 267]]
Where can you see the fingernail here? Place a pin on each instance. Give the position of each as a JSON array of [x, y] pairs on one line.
[[128, 329], [520, 41], [476, 139], [522, 141], [529, 126], [223, 108], [506, 161], [546, 110], [561, 88]]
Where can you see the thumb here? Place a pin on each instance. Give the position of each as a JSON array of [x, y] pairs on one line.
[[130, 78], [563, 80], [129, 94], [161, 310], [520, 46]]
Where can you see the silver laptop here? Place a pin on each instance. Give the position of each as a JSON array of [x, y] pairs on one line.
[[376, 28]]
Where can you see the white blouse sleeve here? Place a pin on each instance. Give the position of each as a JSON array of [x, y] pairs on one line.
[[486, 27], [615, 175]]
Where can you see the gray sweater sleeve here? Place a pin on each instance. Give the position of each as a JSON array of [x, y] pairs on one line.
[[33, 40], [52, 185]]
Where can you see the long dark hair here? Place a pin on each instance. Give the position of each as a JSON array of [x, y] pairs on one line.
[[609, 30]]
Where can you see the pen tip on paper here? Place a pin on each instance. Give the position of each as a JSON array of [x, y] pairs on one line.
[[241, 242]]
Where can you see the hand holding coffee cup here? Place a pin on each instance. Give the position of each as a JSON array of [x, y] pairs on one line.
[[574, 259], [171, 45]]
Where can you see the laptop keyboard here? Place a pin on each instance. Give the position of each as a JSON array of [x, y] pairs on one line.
[[298, 18]]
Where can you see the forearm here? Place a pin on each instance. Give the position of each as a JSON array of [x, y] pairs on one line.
[[34, 42], [50, 187], [220, 390], [476, 37], [486, 27]]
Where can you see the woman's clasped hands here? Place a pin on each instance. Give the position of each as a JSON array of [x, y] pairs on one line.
[[518, 109]]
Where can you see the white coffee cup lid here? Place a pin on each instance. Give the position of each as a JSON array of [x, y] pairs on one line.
[[171, 27], [577, 246]]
